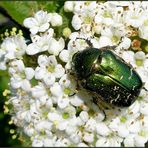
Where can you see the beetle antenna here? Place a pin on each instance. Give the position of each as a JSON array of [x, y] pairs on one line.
[[87, 41]]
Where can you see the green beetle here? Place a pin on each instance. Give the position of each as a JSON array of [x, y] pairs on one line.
[[106, 75]]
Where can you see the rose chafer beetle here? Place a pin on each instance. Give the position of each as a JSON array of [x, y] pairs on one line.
[[107, 76]]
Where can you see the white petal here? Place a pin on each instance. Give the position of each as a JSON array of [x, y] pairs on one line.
[[56, 90], [105, 41], [102, 142], [56, 20], [59, 71], [62, 125], [56, 46], [49, 79], [140, 141], [37, 143], [88, 137], [32, 49], [29, 131], [30, 22], [16, 82], [38, 91], [64, 55], [129, 141], [102, 129], [68, 6], [40, 73], [26, 85], [76, 22], [29, 73], [54, 116], [52, 60], [42, 60], [34, 30], [122, 131], [134, 126], [63, 102], [76, 101], [90, 125], [84, 116], [49, 103], [144, 108], [40, 15], [44, 27], [48, 142]]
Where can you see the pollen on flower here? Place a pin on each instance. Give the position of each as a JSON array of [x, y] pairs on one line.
[[6, 92], [123, 119], [65, 115]]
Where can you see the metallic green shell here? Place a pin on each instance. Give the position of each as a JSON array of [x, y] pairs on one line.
[[102, 72]]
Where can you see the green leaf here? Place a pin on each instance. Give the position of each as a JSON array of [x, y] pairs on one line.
[[19, 10]]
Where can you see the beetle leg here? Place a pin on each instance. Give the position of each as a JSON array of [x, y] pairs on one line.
[[87, 41], [101, 106], [76, 90]]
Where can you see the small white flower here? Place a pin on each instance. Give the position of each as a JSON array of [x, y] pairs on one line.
[[38, 23], [56, 46], [48, 69], [21, 75], [134, 17], [13, 47], [63, 102], [40, 43]]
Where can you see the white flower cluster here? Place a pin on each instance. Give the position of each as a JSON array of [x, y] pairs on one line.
[[44, 104]]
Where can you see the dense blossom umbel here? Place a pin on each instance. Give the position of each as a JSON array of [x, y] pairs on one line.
[[45, 105]]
